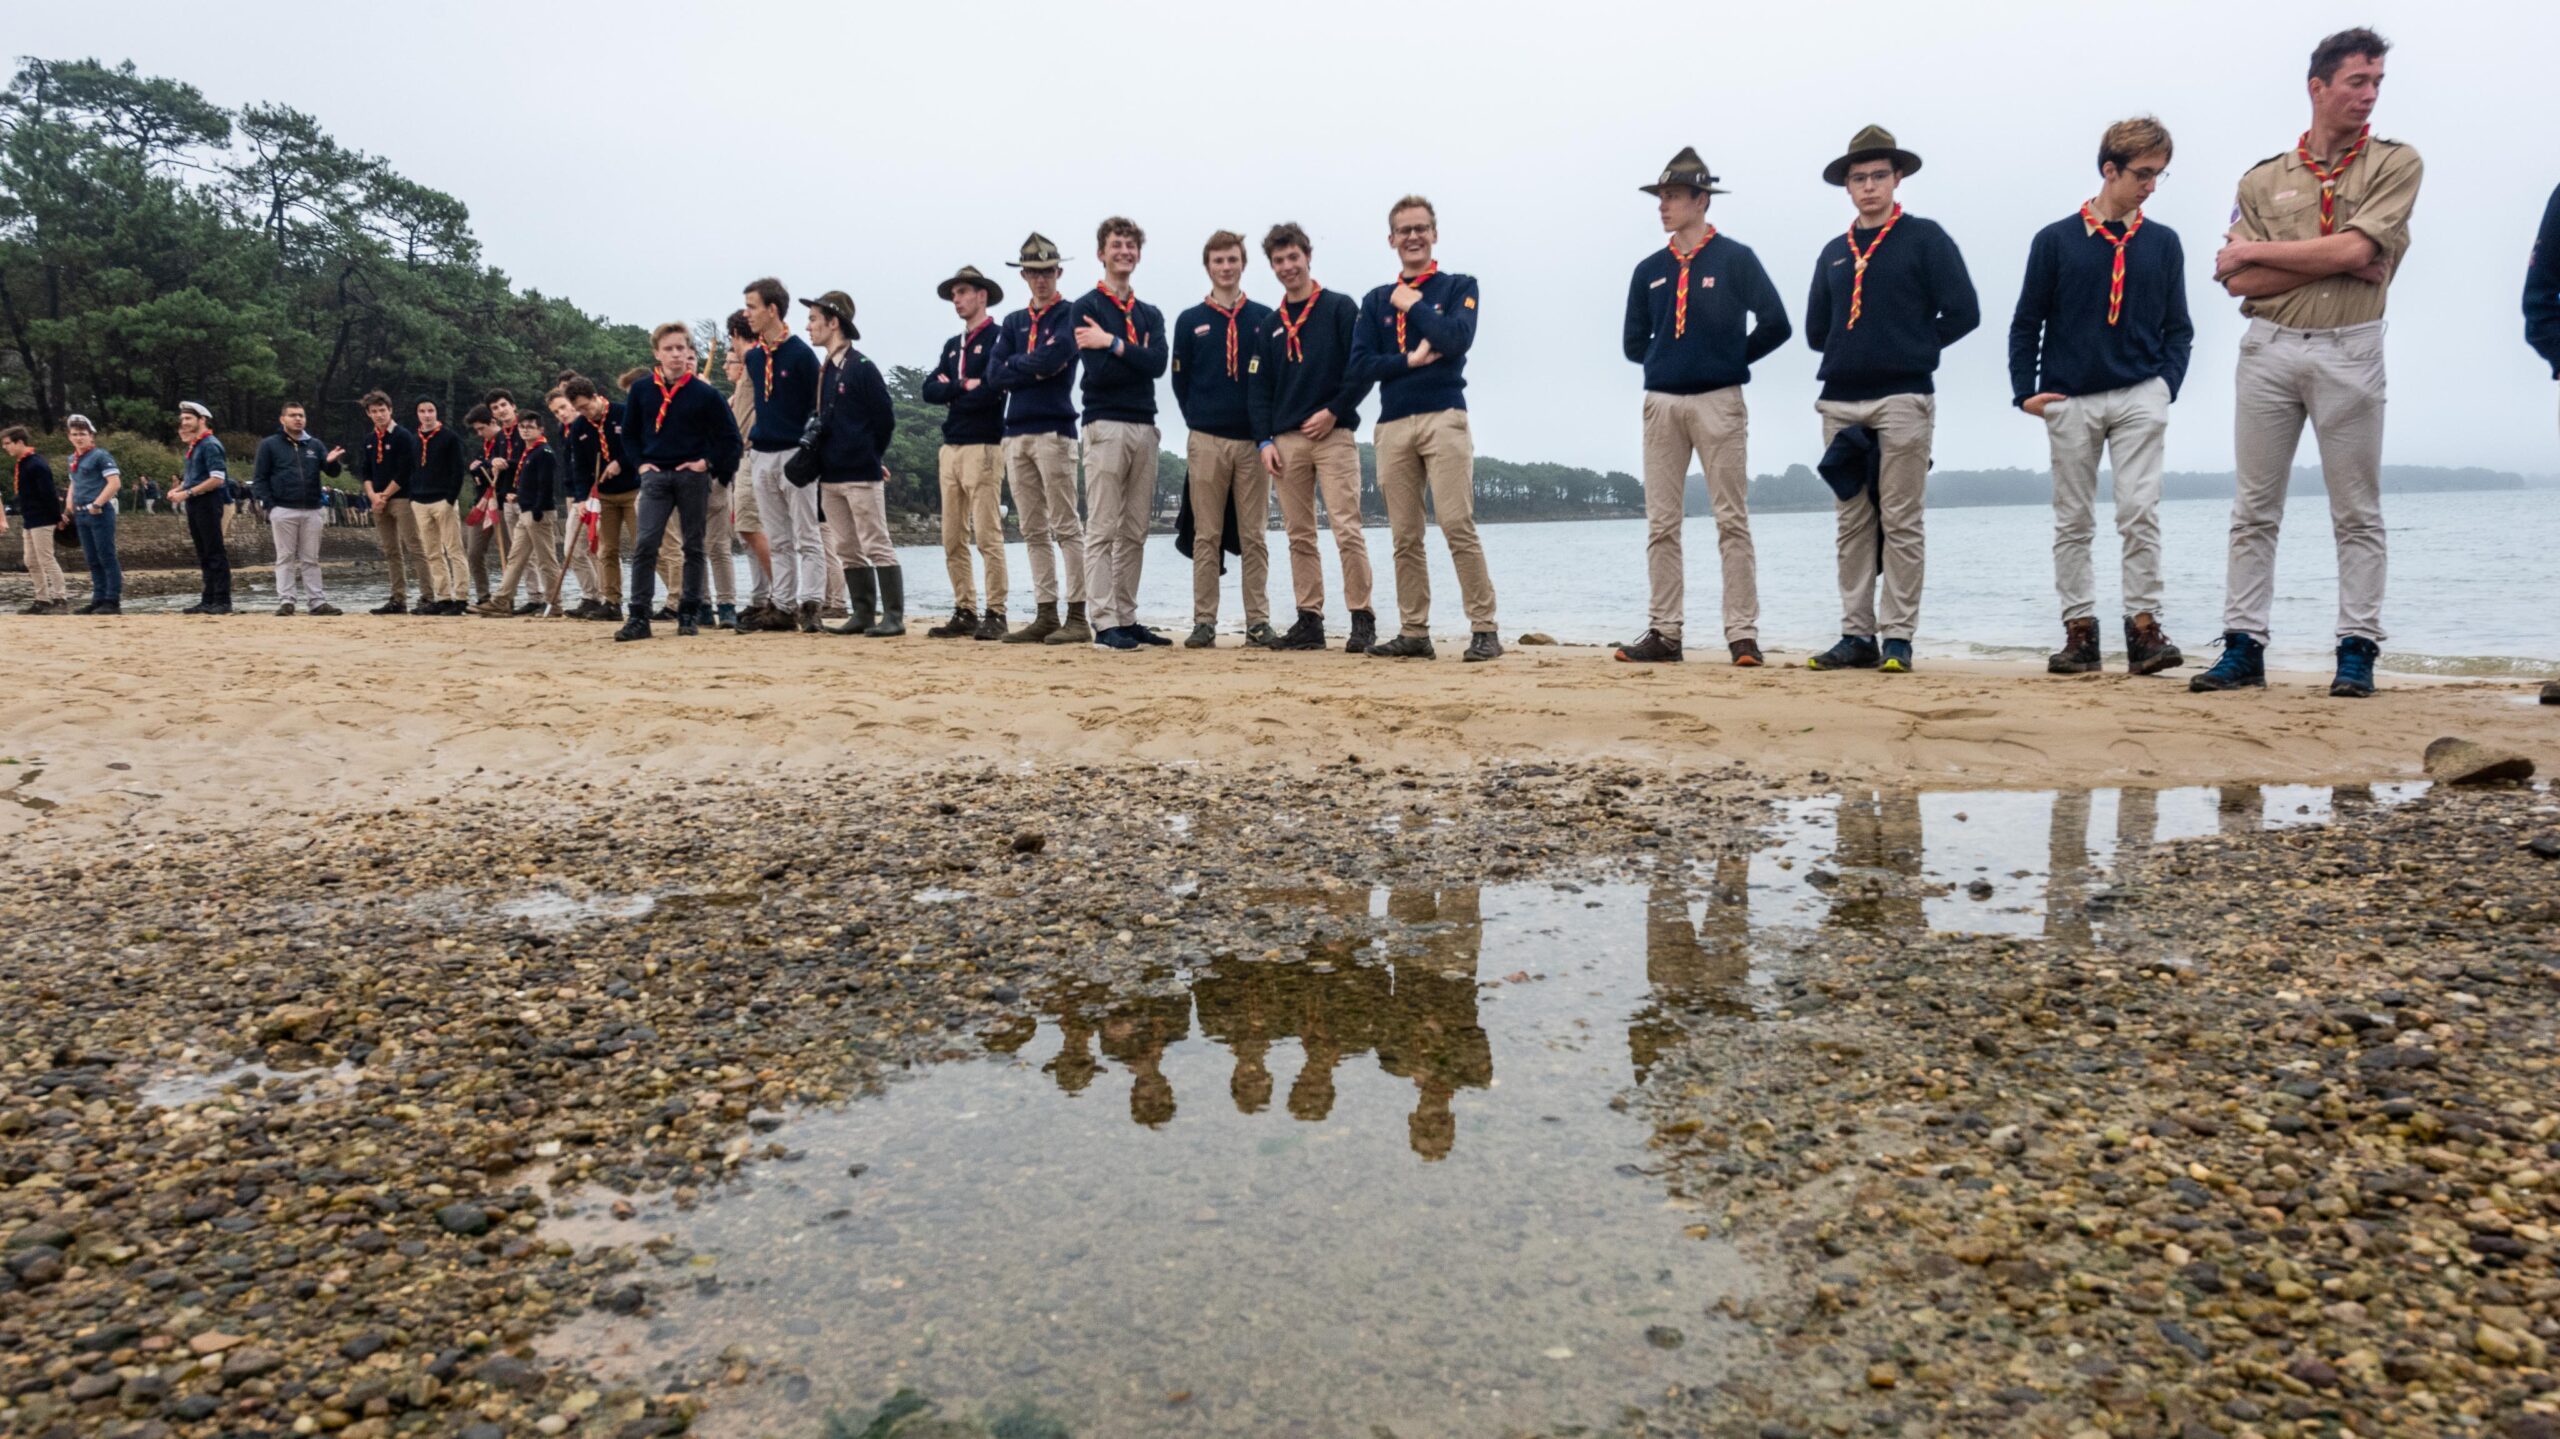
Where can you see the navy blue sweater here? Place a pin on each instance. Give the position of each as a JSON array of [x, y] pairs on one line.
[[1120, 383], [1445, 316], [1286, 390], [538, 481], [592, 447], [386, 458], [1727, 286], [1037, 374], [699, 426], [438, 477], [2542, 288], [39, 503], [1918, 301], [975, 417], [2060, 340], [784, 406], [1212, 401], [858, 420]]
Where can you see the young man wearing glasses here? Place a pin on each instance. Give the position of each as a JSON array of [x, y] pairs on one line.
[[2097, 350]]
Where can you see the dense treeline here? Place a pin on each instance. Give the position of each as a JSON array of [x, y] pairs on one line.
[[155, 246]]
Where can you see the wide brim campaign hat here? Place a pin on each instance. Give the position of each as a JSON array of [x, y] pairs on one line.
[[1038, 254], [840, 305], [1872, 143], [968, 275], [1686, 169]]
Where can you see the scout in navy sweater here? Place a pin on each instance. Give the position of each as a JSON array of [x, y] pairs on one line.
[[857, 422], [1213, 355], [1916, 301], [1120, 381], [784, 379], [2061, 340], [974, 416], [1034, 365], [1714, 347], [39, 503], [1444, 319], [438, 477], [2542, 288], [386, 459], [1303, 364], [668, 425], [538, 487]]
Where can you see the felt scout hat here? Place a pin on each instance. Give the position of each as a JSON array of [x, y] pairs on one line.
[[968, 275], [1038, 254], [1685, 169], [840, 305], [1872, 143]]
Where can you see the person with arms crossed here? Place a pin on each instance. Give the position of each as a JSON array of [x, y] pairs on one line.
[[971, 461], [2317, 235], [1306, 407]]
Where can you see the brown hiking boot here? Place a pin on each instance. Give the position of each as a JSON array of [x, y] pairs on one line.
[[2079, 653], [1073, 630], [2147, 649], [1043, 625]]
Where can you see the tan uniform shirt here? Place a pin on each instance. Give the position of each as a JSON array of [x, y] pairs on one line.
[[2280, 200]]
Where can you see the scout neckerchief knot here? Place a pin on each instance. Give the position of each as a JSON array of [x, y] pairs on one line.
[[1212, 302], [2329, 178], [2115, 282], [1128, 310], [667, 395], [1680, 306], [378, 437], [1416, 282], [1035, 312], [1858, 280], [771, 354], [1293, 349]]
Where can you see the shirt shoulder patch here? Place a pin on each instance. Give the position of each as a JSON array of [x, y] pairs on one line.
[[1471, 302]]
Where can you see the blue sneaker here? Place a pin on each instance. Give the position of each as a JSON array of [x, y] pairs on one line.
[[1146, 636], [1854, 652], [1115, 638], [2355, 669], [1897, 657], [2243, 666]]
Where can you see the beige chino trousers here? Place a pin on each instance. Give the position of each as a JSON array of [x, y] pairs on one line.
[[973, 513], [1219, 468], [1433, 457], [1886, 607], [1716, 428], [1329, 467]]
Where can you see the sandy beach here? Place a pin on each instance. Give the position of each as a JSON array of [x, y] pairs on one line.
[[167, 722]]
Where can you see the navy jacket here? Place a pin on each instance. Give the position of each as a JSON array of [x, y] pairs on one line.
[[2542, 288], [2060, 341], [503, 445], [538, 482], [975, 417], [857, 420], [1286, 388], [1727, 286], [1918, 301], [593, 446], [699, 426], [783, 407], [1120, 383], [386, 459], [1445, 316], [438, 478], [1212, 401], [1037, 373], [39, 503], [287, 476]]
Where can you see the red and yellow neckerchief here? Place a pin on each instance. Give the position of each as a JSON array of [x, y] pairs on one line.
[[2115, 282], [666, 397], [1293, 349], [1035, 312], [772, 353], [1212, 303], [189, 457], [1416, 282], [962, 368], [1128, 310], [1680, 306], [378, 437], [2329, 178], [1858, 281]]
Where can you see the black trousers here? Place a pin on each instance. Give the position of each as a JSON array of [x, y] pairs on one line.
[[205, 515], [685, 494]]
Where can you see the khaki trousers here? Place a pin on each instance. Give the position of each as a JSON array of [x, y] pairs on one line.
[[1119, 493], [1715, 427], [581, 560], [2132, 425], [1905, 426], [403, 551], [1330, 466], [1220, 467], [535, 543], [617, 516], [719, 546], [857, 523], [1042, 471], [973, 512], [482, 544], [440, 536], [2333, 379], [1433, 455], [35, 544]]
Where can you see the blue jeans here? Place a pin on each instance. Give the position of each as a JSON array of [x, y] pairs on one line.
[[98, 547]]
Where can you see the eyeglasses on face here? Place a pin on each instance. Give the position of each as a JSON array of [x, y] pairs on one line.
[[1411, 232]]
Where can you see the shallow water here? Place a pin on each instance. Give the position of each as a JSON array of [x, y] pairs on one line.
[[1378, 1185], [175, 1087]]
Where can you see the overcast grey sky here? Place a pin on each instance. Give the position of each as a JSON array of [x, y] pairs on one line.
[[646, 159]]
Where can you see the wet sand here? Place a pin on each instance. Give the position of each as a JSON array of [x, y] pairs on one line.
[[168, 722]]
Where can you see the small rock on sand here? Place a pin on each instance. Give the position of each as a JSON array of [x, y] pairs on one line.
[[2459, 761]]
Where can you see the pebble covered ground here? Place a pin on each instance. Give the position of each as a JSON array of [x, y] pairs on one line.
[[2274, 1153]]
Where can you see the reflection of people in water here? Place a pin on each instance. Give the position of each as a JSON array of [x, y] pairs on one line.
[[1133, 1031], [2137, 819], [1430, 1034], [1878, 832], [2241, 809], [2066, 883], [1692, 967]]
